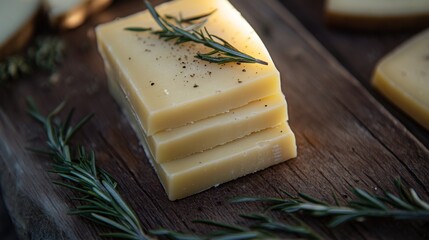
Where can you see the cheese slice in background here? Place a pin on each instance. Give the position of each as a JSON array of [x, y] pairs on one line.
[[166, 85], [403, 77], [17, 22], [72, 13], [377, 14]]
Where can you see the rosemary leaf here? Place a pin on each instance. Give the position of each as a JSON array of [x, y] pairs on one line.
[[407, 205], [222, 51], [101, 201], [45, 53]]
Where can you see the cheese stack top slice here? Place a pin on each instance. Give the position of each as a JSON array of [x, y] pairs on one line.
[[167, 86], [403, 76], [16, 24], [378, 14]]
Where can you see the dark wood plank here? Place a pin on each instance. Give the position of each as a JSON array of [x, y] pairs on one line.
[[358, 51], [345, 138], [7, 230]]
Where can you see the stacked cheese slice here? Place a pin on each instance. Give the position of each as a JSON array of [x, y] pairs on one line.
[[201, 123]]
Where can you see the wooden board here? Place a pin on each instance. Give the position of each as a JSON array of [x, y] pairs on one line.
[[345, 138]]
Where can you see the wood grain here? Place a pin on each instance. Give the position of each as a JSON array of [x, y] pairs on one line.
[[345, 138]]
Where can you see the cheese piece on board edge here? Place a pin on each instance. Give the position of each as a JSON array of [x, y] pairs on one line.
[[241, 157], [377, 14], [17, 19], [218, 130], [167, 86], [403, 77], [67, 14]]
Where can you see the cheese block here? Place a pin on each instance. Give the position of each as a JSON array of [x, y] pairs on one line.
[[198, 172], [72, 13], [210, 132], [17, 18], [403, 77], [201, 171], [378, 14], [167, 86]]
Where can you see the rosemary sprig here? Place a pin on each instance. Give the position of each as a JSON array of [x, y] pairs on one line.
[[45, 53], [264, 228], [222, 51], [406, 205], [103, 204], [100, 199]]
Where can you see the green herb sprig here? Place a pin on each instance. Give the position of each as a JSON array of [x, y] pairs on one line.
[[45, 53], [407, 205], [223, 52], [264, 228], [103, 204], [100, 199]]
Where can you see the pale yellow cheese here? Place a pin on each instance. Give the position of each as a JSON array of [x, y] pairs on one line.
[[208, 133], [201, 124], [403, 77], [201, 171], [378, 14], [17, 20], [167, 86], [72, 13], [198, 172]]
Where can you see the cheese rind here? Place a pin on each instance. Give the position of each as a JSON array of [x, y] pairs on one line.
[[403, 77], [178, 88], [208, 133], [17, 18], [377, 14], [198, 172]]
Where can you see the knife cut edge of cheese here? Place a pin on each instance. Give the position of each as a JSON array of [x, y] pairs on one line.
[[373, 15], [247, 155], [218, 130], [401, 90], [161, 103]]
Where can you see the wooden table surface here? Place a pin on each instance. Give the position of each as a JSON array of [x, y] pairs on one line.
[[347, 134]]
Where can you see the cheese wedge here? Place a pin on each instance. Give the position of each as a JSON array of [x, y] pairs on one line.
[[167, 86], [201, 124], [198, 172], [378, 14], [17, 19], [403, 77], [72, 13]]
